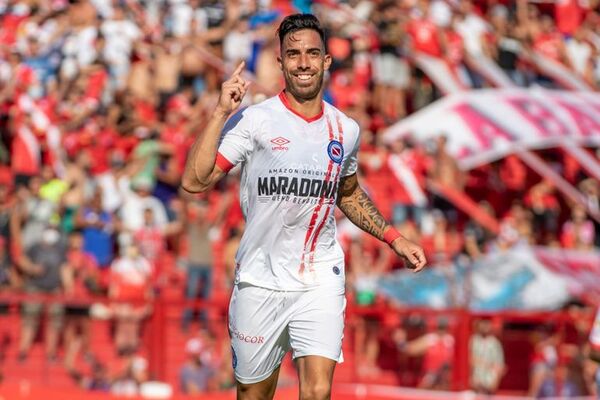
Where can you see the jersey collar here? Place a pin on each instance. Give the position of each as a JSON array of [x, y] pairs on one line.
[[287, 105]]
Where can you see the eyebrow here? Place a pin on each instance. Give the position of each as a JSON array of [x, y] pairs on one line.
[[310, 50]]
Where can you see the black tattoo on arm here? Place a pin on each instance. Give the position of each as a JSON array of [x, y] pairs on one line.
[[358, 207]]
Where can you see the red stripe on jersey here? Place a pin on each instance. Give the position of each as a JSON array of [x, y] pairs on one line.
[[223, 163], [332, 204], [315, 214], [287, 105]]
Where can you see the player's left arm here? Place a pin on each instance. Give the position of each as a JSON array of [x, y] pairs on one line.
[[358, 207]]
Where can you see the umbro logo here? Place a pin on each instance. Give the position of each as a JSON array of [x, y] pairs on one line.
[[280, 143]]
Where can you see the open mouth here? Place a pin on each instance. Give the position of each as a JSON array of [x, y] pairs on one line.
[[304, 77]]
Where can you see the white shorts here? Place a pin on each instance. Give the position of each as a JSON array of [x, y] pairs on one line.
[[265, 324]]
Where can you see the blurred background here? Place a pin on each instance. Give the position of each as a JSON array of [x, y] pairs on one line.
[[480, 129]]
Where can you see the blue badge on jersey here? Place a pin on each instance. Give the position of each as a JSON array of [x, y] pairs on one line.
[[233, 358], [335, 150], [336, 270]]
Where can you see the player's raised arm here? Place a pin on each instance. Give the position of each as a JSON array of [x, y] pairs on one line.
[[358, 207], [201, 171]]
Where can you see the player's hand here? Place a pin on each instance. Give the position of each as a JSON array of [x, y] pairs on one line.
[[233, 91], [411, 252]]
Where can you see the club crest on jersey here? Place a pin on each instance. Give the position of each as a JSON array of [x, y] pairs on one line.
[[335, 150]]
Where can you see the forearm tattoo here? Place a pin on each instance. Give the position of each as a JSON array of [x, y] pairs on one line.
[[359, 208]]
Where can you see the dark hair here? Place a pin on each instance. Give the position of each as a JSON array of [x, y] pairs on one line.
[[297, 22]]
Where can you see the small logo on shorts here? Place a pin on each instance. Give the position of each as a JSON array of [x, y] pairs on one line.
[[335, 150], [233, 358], [336, 270]]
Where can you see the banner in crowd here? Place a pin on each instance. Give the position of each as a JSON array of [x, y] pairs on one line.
[[486, 125], [523, 278]]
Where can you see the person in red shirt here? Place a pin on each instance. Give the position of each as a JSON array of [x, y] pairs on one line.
[[152, 240], [437, 350], [549, 42], [569, 15], [424, 34], [443, 244], [130, 288], [81, 282]]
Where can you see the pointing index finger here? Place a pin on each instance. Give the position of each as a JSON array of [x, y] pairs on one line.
[[239, 69]]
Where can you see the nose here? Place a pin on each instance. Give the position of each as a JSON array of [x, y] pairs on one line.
[[304, 61]]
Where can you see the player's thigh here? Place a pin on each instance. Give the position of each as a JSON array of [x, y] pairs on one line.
[[264, 390], [315, 374], [317, 324], [258, 327]]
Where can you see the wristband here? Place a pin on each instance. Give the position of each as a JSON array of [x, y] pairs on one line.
[[390, 235]]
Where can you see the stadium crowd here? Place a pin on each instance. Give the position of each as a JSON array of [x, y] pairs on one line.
[[100, 101]]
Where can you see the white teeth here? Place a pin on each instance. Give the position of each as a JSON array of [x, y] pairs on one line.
[[304, 77]]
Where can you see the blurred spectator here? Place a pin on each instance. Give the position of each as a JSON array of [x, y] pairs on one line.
[[443, 244], [152, 239], [197, 375], [133, 373], [138, 198], [97, 227], [561, 383], [516, 226], [44, 265], [580, 52], [578, 232], [199, 279], [543, 202], [444, 171], [590, 188], [476, 237], [437, 350], [33, 214], [81, 281], [367, 264], [544, 362], [505, 46], [391, 72], [486, 359], [408, 168], [130, 290]]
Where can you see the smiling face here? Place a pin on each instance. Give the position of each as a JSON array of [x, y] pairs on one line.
[[303, 62]]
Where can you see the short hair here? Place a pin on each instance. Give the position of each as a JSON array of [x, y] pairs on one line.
[[297, 22]]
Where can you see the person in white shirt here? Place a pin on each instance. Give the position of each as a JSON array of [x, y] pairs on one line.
[[298, 156]]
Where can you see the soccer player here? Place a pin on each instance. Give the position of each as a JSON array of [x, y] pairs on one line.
[[299, 160]]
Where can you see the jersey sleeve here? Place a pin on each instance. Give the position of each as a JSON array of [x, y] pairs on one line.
[[351, 164], [236, 141]]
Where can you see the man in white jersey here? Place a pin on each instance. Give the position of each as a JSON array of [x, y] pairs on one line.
[[298, 157]]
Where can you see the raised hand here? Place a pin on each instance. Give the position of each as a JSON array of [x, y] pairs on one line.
[[411, 252], [233, 91]]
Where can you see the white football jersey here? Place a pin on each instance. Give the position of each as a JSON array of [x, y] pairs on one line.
[[291, 168]]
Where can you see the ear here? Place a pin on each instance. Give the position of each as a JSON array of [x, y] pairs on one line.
[[327, 62], [280, 63]]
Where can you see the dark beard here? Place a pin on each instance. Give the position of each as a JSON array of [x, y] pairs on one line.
[[303, 96]]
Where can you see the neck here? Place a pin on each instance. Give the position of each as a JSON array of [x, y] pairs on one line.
[[307, 108]]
